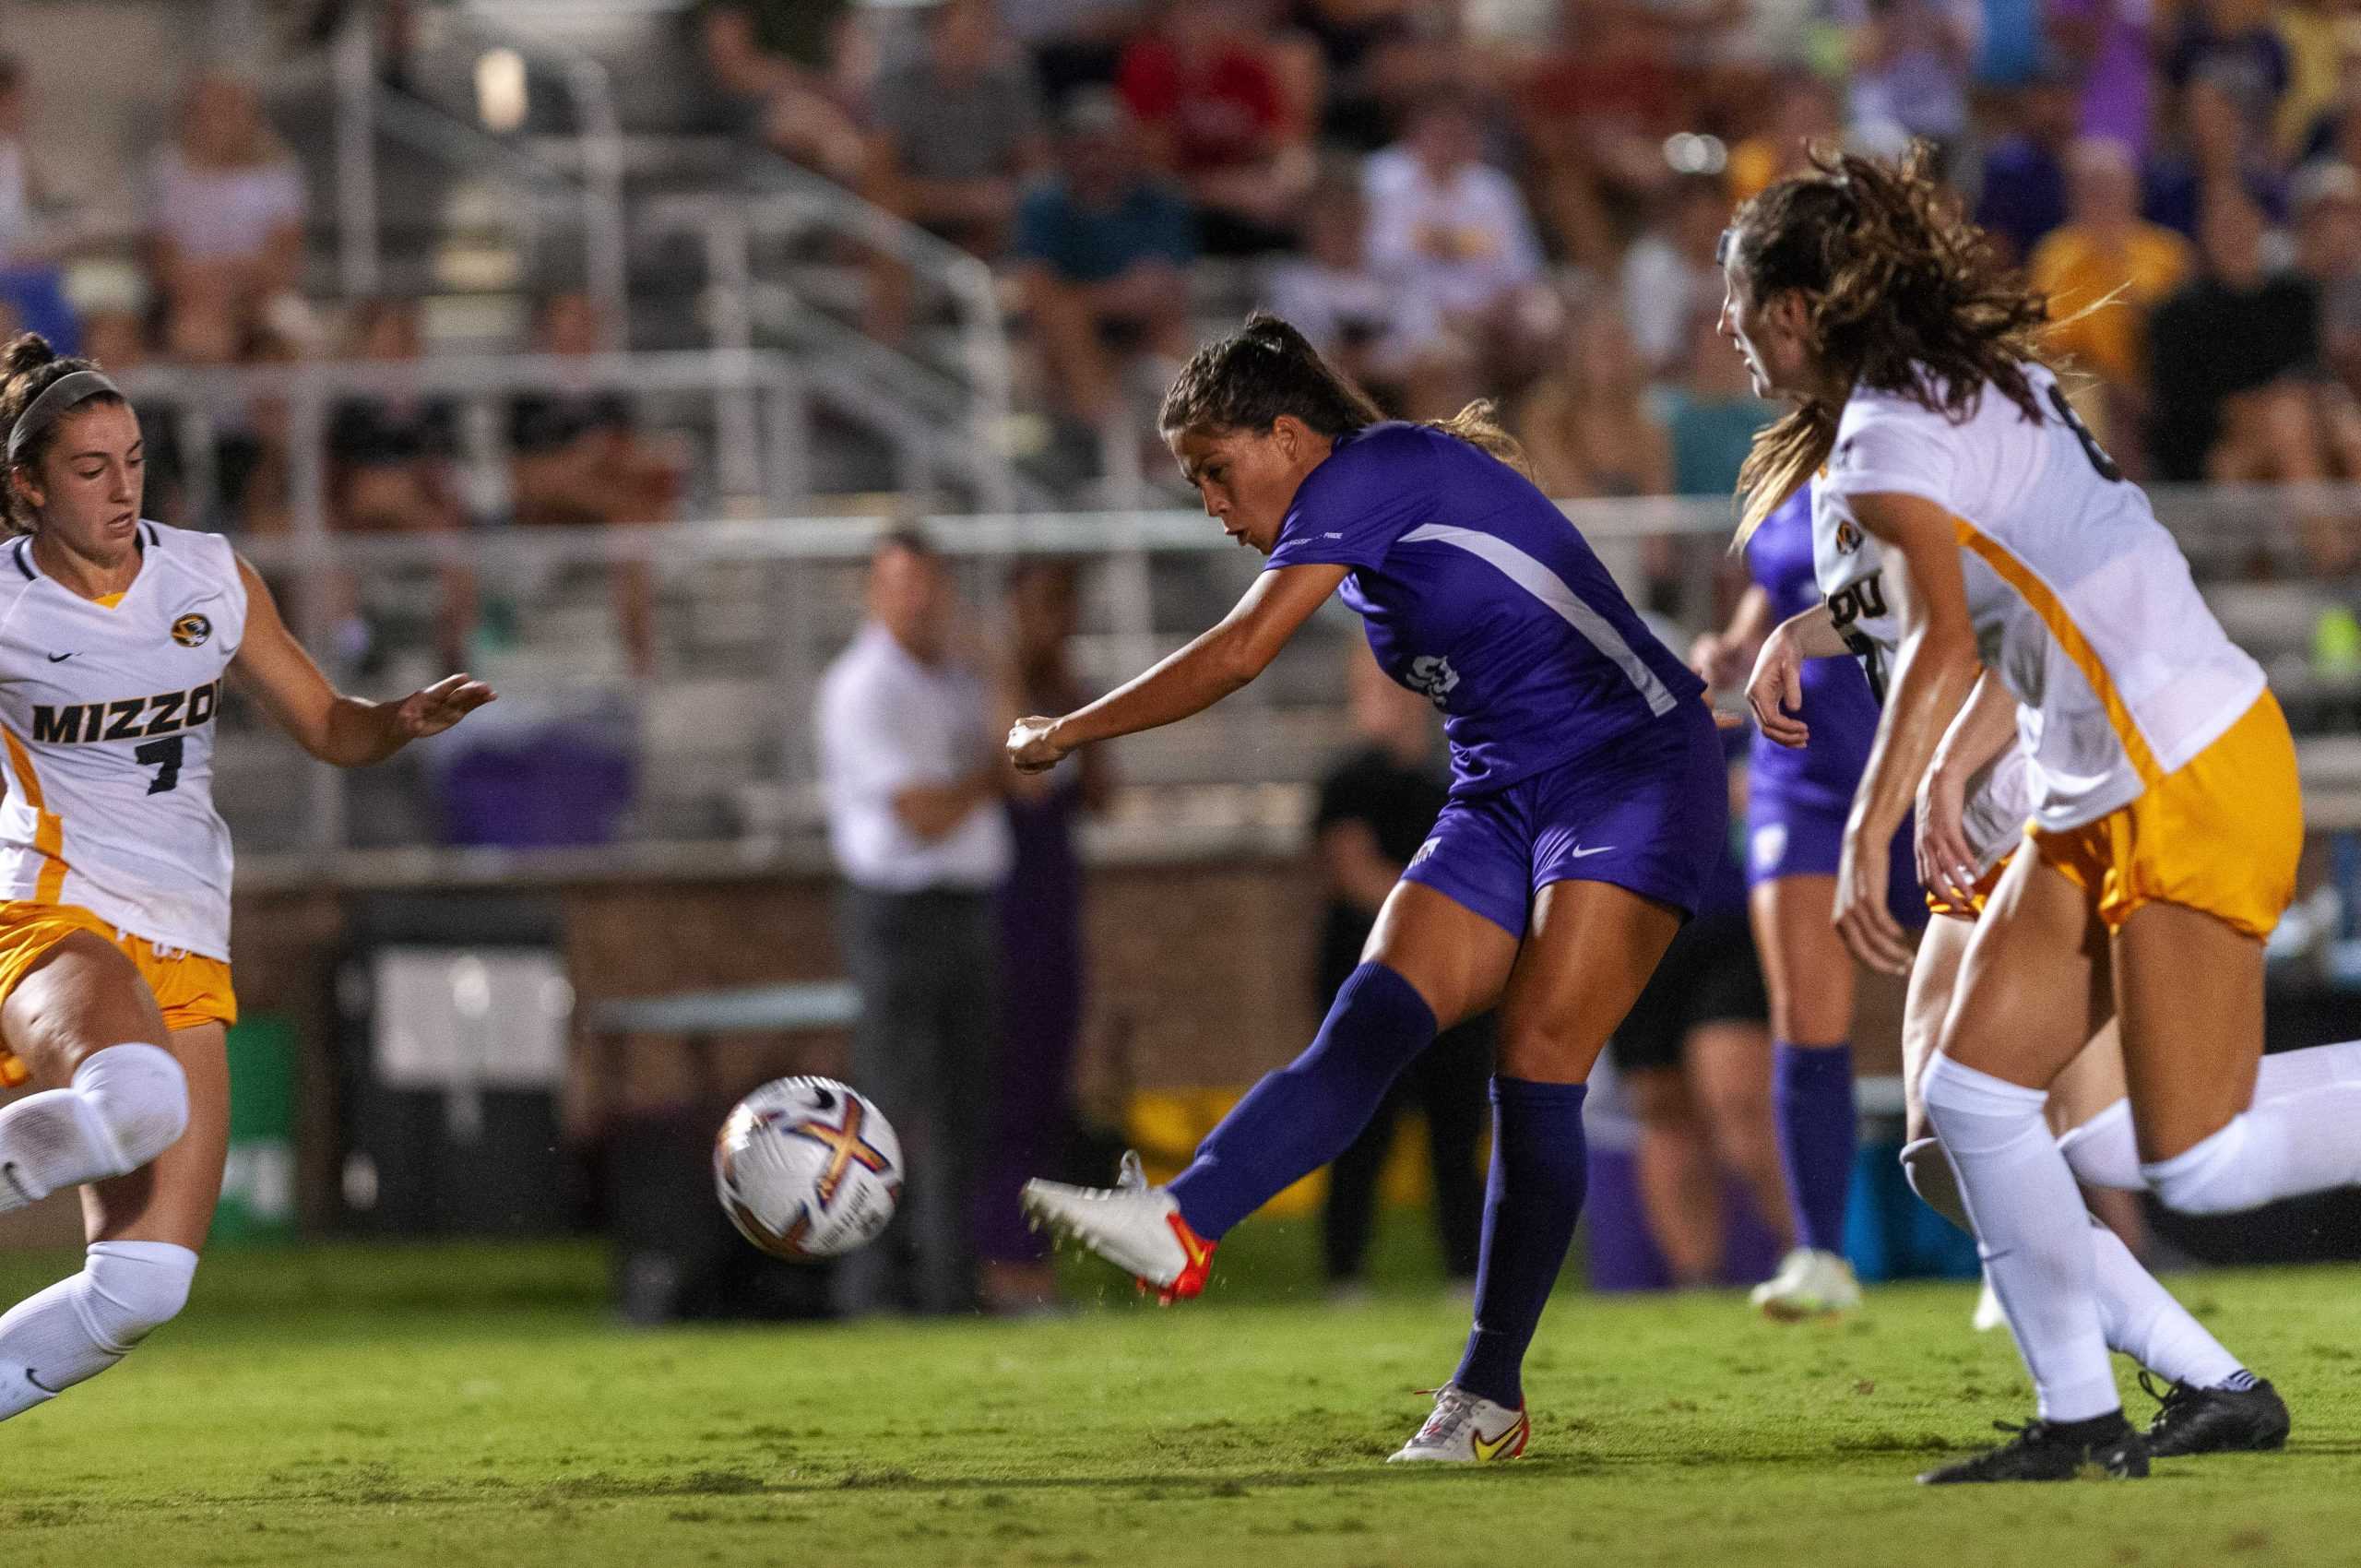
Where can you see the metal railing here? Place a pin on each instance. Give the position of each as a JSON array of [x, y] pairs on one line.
[[363, 106], [751, 610]]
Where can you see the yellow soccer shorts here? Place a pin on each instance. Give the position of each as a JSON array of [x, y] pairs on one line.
[[2221, 834], [1979, 893], [190, 989]]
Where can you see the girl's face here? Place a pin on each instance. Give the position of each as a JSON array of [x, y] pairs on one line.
[[1769, 336], [86, 484], [1248, 479]]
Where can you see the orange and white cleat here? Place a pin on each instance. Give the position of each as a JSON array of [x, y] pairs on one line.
[[1465, 1428], [1133, 1225]]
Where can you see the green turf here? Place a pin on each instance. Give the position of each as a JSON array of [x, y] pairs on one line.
[[462, 1406]]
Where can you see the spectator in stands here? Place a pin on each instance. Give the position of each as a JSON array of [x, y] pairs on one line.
[[2233, 45], [1671, 271], [1374, 62], [578, 459], [2103, 270], [2212, 141], [1217, 117], [1376, 807], [1365, 322], [1711, 412], [1073, 44], [1105, 247], [391, 468], [32, 283], [1452, 231], [954, 133], [2239, 392], [2312, 34], [1803, 114], [2105, 43], [1587, 423], [225, 224], [1040, 940], [913, 781], [793, 66], [2024, 195], [2327, 201], [1910, 61], [1597, 112]]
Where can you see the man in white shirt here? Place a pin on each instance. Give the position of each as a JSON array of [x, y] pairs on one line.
[[1452, 232], [913, 781]]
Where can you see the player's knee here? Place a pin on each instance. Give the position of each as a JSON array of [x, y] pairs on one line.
[[2217, 1175], [139, 1094], [2101, 1151], [131, 1288], [1930, 1175], [1974, 1113]]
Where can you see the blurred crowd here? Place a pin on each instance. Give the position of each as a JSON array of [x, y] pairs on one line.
[[1510, 198], [1520, 199]]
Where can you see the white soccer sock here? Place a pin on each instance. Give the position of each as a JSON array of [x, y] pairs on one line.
[[2139, 1317], [126, 1105], [81, 1325], [2103, 1152], [2032, 1230]]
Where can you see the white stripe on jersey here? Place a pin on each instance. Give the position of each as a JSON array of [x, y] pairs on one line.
[[1551, 589]]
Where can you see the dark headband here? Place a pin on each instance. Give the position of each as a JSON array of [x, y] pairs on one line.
[[59, 397]]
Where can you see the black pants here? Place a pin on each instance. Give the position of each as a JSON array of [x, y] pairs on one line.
[[1448, 1082], [928, 968]]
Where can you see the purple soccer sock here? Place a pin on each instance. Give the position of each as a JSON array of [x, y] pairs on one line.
[[1811, 1101], [1531, 1201], [1307, 1113]]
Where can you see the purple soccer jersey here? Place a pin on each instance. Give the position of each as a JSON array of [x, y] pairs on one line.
[[1476, 591]]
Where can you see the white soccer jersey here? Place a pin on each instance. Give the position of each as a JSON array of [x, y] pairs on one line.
[[106, 726], [2083, 605]]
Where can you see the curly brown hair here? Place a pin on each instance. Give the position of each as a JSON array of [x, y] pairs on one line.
[[1905, 295]]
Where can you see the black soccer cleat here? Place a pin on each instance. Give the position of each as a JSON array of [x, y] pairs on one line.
[[2104, 1446], [2215, 1420]]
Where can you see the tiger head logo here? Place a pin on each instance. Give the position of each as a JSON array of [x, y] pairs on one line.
[[191, 630]]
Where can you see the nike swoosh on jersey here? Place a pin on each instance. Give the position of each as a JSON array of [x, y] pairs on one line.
[[1578, 854], [59, 657]]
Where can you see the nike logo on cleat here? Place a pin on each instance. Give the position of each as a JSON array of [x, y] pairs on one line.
[[1491, 1448]]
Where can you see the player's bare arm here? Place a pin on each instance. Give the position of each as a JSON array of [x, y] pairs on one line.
[[1217, 663], [347, 731], [1775, 690], [1937, 667]]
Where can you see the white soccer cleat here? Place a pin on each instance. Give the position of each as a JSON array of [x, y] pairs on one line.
[[1133, 1225], [1465, 1430], [1809, 1284], [1988, 1316]]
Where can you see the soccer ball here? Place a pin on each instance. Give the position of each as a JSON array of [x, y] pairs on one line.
[[807, 1168]]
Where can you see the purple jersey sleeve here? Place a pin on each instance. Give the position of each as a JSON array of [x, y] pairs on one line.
[[1352, 508]]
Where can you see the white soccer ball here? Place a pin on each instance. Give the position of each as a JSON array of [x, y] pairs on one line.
[[807, 1168]]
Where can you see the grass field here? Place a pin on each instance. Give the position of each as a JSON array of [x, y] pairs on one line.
[[474, 1404]]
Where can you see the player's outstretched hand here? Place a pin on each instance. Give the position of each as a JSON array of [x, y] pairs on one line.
[[1033, 746], [1775, 690], [1946, 866], [1868, 927], [440, 705]]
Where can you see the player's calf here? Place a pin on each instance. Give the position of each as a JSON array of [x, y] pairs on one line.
[[82, 1326]]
